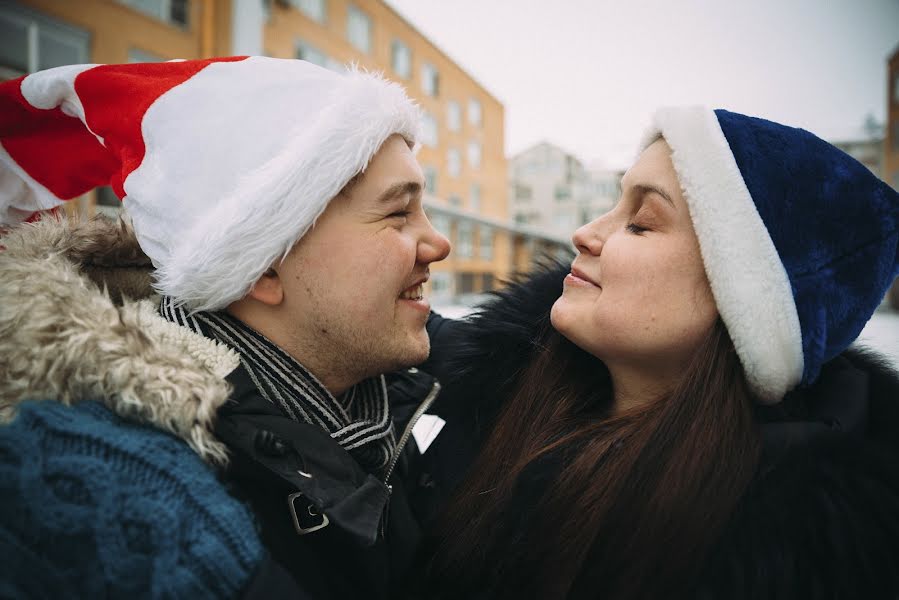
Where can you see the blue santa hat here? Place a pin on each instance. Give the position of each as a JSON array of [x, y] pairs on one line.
[[800, 241]]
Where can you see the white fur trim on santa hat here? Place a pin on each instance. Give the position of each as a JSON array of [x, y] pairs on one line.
[[249, 154], [748, 279]]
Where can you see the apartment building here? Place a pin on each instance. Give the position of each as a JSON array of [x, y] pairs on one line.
[[552, 190]]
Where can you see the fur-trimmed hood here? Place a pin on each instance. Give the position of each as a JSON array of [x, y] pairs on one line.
[[820, 517], [78, 321]]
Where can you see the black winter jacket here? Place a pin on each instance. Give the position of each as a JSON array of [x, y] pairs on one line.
[[292, 474], [821, 517]]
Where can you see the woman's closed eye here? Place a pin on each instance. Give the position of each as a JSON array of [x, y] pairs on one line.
[[636, 229]]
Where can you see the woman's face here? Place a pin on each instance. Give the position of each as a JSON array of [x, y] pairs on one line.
[[637, 294]]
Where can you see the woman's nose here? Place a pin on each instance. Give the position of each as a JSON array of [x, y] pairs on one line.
[[587, 238]]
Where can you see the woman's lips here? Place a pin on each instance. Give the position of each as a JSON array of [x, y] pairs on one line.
[[578, 277]]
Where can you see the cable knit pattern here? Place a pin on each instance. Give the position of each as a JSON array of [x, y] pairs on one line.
[[96, 506]]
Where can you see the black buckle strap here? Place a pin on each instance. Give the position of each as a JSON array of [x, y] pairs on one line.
[[305, 515]]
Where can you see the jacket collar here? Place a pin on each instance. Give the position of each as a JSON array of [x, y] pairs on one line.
[[305, 459]]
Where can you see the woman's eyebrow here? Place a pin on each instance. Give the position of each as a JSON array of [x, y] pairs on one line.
[[642, 189]]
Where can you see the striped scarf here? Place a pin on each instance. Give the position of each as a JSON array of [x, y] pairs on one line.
[[359, 420]]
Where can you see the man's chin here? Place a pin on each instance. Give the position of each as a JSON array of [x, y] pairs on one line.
[[415, 351]]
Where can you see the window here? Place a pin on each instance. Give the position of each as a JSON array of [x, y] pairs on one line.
[[358, 29], [171, 11], [521, 219], [522, 192], [430, 180], [485, 245], [430, 79], [317, 10], [464, 245], [429, 130], [454, 201], [475, 197], [136, 55], [584, 216], [310, 53], [465, 283], [474, 154], [564, 222], [896, 88], [441, 223], [453, 162], [562, 193], [474, 112], [441, 284], [896, 180], [30, 42], [107, 197], [401, 59], [107, 203], [488, 282], [896, 135], [453, 116]]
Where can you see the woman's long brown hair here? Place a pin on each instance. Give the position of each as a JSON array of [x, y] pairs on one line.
[[632, 502]]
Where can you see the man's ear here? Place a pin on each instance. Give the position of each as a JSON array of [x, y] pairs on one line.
[[268, 289]]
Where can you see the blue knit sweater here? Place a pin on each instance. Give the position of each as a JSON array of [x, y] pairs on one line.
[[95, 506]]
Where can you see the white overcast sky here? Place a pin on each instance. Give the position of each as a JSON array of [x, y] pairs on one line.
[[586, 75]]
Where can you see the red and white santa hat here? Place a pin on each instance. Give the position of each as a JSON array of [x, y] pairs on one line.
[[221, 164]]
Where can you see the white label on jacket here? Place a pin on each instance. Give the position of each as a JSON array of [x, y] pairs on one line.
[[426, 430]]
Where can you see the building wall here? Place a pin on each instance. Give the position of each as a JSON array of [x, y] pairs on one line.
[[467, 271], [891, 139], [551, 189], [288, 28], [116, 28]]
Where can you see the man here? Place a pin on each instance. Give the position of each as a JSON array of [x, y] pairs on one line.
[[278, 207]]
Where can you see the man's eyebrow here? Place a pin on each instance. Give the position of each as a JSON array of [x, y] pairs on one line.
[[643, 189], [411, 188]]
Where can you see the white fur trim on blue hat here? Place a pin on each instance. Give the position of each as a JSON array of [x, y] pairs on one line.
[[748, 279]]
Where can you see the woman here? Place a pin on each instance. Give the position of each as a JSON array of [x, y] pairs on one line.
[[676, 414]]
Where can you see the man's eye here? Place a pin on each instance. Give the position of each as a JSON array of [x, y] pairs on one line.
[[399, 214], [634, 228]]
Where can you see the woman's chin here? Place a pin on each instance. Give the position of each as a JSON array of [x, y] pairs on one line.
[[560, 315]]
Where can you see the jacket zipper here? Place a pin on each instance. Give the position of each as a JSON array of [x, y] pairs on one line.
[[425, 405], [407, 432]]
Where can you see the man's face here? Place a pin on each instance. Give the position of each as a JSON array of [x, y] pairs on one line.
[[353, 285]]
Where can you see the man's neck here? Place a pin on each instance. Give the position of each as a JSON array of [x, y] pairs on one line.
[[326, 370]]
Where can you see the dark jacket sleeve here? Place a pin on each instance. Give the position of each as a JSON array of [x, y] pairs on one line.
[[821, 520]]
